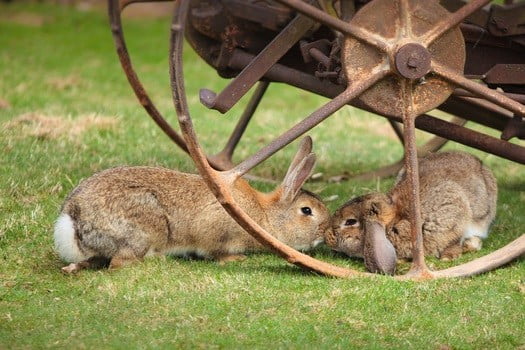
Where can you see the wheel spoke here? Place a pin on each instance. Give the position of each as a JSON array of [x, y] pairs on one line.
[[405, 19], [478, 89], [337, 24], [453, 20], [412, 178], [312, 120]]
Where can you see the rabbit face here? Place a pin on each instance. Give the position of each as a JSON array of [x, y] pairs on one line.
[[304, 223], [347, 231], [349, 222]]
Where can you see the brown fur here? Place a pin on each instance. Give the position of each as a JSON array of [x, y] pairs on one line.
[[126, 213], [457, 194]]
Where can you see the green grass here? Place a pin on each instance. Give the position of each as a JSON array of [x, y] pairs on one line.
[[62, 64]]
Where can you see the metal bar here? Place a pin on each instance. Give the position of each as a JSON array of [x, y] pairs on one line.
[[319, 56], [451, 21], [290, 76], [133, 79], [312, 120], [516, 97], [475, 110], [405, 18], [412, 177], [471, 138], [256, 69], [437, 142], [397, 130], [347, 28], [479, 90], [224, 157]]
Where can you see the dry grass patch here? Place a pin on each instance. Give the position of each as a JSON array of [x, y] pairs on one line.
[[53, 127], [63, 83], [24, 18], [4, 104]]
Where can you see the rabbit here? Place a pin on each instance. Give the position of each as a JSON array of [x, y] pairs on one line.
[[124, 214], [458, 197]]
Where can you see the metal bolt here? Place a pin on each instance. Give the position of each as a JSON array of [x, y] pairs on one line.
[[413, 62]]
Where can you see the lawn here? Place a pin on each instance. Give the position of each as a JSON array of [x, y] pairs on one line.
[[67, 111]]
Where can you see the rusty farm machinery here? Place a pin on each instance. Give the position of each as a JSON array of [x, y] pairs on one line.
[[399, 59]]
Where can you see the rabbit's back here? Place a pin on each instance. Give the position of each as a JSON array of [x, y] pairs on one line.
[[458, 200], [458, 175], [148, 211], [458, 197]]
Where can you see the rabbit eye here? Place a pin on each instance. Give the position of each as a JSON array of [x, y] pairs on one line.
[[306, 210], [351, 222]]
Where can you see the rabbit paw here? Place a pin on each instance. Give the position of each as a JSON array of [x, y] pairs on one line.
[[451, 252], [71, 268], [121, 260], [228, 258]]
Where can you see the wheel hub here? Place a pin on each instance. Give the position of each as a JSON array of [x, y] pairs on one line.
[[412, 61], [408, 59]]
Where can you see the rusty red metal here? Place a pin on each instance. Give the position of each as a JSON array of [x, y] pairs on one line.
[[428, 92], [256, 69], [114, 9], [506, 74], [224, 157]]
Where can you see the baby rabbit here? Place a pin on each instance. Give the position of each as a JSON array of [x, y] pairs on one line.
[[123, 214], [458, 203]]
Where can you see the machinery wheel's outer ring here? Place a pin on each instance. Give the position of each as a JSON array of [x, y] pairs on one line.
[[218, 182]]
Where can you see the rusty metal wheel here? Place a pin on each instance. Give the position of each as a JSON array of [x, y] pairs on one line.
[[223, 159], [408, 61]]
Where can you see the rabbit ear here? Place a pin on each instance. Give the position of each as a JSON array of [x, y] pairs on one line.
[[305, 148], [379, 253], [296, 177]]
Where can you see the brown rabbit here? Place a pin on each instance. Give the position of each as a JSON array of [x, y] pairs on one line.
[[458, 203], [123, 214]]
